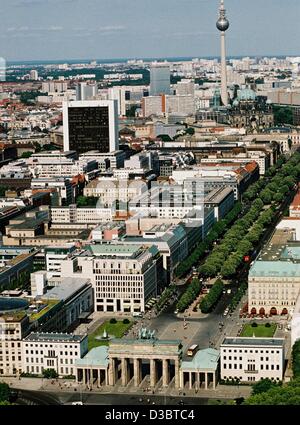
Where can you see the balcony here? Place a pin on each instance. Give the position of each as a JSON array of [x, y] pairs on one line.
[[251, 371]]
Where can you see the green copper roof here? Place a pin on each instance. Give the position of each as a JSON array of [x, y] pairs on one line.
[[114, 249], [96, 357], [204, 359], [274, 269]]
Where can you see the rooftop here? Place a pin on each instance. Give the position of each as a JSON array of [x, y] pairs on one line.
[[204, 359], [115, 249], [270, 342], [275, 269], [96, 357], [68, 287], [54, 337]]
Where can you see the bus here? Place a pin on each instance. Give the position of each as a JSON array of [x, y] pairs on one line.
[[192, 350]]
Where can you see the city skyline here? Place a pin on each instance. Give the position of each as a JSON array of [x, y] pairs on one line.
[[38, 30]]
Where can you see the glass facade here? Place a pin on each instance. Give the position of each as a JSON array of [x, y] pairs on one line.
[[160, 80], [89, 129]]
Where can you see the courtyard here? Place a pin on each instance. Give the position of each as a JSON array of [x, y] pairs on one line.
[[266, 330]]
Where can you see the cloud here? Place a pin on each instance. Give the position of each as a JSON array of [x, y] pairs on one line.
[[25, 3], [27, 29]]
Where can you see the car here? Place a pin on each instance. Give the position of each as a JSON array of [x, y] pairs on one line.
[[77, 403], [228, 291]]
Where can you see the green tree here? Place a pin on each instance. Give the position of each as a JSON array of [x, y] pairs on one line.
[[27, 154], [296, 359], [277, 395], [4, 392], [50, 374]]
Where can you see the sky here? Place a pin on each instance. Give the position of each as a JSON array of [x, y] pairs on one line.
[[110, 29]]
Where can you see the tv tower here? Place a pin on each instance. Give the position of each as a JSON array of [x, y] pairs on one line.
[[223, 25]]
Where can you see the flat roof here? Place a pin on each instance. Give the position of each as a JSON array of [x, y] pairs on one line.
[[54, 337], [117, 249], [203, 359], [145, 341], [270, 342], [66, 289], [96, 357]]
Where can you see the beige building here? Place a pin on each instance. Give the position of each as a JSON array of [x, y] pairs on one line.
[[80, 215], [124, 277], [110, 190], [12, 329], [59, 352]]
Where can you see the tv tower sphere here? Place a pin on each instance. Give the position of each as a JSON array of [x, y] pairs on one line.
[[222, 22]]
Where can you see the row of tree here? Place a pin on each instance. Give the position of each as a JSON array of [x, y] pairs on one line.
[[210, 300], [238, 296], [189, 295], [233, 246], [271, 394], [165, 296], [239, 241], [215, 233], [296, 359]]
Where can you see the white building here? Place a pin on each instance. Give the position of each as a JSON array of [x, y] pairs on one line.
[[252, 359], [80, 215], [59, 352], [110, 190], [274, 285], [124, 277], [12, 329]]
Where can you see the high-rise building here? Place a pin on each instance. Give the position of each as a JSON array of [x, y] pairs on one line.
[[34, 75], [86, 91], [91, 125], [160, 79], [223, 25]]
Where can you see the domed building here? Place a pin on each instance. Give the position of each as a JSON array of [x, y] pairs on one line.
[[247, 94], [250, 111]]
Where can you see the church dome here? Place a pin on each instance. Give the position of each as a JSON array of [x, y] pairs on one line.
[[246, 94]]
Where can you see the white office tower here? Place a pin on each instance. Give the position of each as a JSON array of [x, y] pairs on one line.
[[86, 91], [118, 93], [160, 78], [91, 125], [223, 25], [34, 75], [185, 88]]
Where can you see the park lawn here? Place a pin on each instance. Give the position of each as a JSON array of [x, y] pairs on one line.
[[260, 331], [117, 330]]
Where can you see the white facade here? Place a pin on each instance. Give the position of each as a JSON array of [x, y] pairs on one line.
[[12, 331], [38, 283], [252, 359], [110, 190], [124, 277], [274, 287], [180, 104], [152, 105], [84, 215], [59, 352]]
